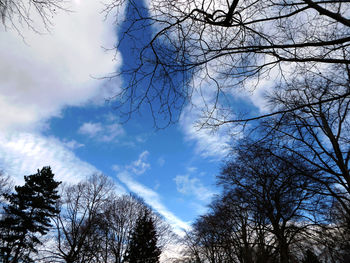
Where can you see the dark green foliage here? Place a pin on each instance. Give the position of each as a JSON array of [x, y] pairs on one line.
[[310, 257], [27, 216], [143, 244]]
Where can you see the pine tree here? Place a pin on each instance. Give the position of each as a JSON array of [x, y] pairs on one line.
[[143, 244], [27, 216], [310, 257]]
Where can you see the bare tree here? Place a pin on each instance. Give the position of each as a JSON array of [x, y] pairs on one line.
[[6, 185], [274, 188], [117, 222], [230, 232], [27, 13], [318, 134], [77, 232], [200, 47], [95, 224], [334, 238], [120, 217]]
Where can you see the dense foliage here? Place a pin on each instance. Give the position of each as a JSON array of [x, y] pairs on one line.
[[28, 214], [143, 246]]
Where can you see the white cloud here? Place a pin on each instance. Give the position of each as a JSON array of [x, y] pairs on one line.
[[207, 143], [191, 169], [90, 129], [156, 186], [112, 132], [110, 117], [46, 72], [141, 165], [153, 199], [193, 186], [24, 153], [257, 88], [116, 168], [125, 175], [161, 161], [100, 132], [141, 138], [73, 144], [196, 118]]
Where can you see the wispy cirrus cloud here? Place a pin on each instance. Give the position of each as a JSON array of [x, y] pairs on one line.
[[196, 118], [24, 153], [161, 161], [102, 132], [90, 129], [73, 144], [40, 75], [154, 200], [207, 143], [126, 175], [139, 166], [190, 185]]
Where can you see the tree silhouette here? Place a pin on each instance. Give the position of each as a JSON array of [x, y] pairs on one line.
[[231, 232], [216, 47], [5, 187], [310, 257], [28, 215], [317, 134], [17, 14], [280, 190], [143, 244], [78, 236]]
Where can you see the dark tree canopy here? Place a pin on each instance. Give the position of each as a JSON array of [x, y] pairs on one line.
[[143, 247], [310, 257], [28, 215], [231, 232], [269, 211], [279, 188]]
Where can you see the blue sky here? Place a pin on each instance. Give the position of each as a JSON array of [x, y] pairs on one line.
[[54, 113]]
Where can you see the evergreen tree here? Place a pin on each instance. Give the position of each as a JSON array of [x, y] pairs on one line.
[[27, 216], [310, 257], [143, 243]]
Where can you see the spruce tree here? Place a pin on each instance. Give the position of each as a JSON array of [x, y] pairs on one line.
[[27, 216], [143, 243], [310, 257]]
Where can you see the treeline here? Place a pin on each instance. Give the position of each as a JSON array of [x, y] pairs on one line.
[[46, 221], [286, 187], [285, 196], [270, 210]]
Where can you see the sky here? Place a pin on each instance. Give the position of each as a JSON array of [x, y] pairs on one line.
[[53, 111]]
